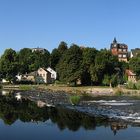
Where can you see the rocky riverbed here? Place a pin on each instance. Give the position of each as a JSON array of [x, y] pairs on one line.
[[117, 108]]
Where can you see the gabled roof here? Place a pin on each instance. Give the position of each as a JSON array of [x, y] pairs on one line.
[[130, 73], [50, 70], [44, 69]]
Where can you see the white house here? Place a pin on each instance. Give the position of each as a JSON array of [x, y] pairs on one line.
[[53, 73], [4, 81], [19, 77]]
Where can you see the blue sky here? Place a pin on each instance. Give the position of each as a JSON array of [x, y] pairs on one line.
[[44, 23]]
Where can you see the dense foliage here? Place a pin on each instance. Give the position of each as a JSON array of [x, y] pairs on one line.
[[134, 64], [74, 65]]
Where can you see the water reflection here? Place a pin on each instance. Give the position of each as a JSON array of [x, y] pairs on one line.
[[27, 111], [117, 126]]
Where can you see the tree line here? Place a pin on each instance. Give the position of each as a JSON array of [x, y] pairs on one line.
[[72, 64]]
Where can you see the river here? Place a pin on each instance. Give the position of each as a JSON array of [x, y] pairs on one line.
[[26, 120]]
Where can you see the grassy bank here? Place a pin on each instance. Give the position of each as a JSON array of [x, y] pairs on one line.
[[93, 90], [82, 89], [90, 90]]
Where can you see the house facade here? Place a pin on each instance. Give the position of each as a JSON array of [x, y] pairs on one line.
[[43, 76], [131, 76], [119, 50], [53, 73]]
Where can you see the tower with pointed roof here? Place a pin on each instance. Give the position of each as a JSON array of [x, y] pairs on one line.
[[120, 50], [114, 41]]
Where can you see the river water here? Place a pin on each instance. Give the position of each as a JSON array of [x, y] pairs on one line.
[[25, 120]]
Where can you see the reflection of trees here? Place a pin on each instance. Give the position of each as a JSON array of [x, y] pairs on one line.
[[71, 119], [27, 111]]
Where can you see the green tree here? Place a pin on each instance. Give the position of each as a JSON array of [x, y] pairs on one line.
[[30, 61], [57, 54], [107, 80], [55, 57], [62, 47], [25, 60], [89, 55], [9, 65], [70, 65], [105, 64], [134, 64], [39, 59]]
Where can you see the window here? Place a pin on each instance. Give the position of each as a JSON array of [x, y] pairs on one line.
[[124, 50], [120, 50], [119, 55], [43, 75], [124, 55]]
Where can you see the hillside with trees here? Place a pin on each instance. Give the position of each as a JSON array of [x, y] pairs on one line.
[[87, 65]]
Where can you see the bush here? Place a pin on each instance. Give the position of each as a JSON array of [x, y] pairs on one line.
[[75, 100], [119, 92], [25, 87], [131, 85], [58, 82], [138, 85]]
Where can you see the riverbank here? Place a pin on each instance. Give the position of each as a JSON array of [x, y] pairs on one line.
[[118, 108], [101, 104], [79, 90]]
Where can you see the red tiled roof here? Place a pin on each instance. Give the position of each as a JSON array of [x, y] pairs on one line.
[[130, 73]]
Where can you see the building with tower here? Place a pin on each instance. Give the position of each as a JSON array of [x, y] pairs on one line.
[[120, 50]]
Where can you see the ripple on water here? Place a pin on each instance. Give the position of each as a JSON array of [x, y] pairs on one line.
[[113, 102]]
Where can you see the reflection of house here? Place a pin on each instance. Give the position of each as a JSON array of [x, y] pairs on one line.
[[117, 126], [134, 52], [131, 76], [53, 73], [119, 50], [40, 104]]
